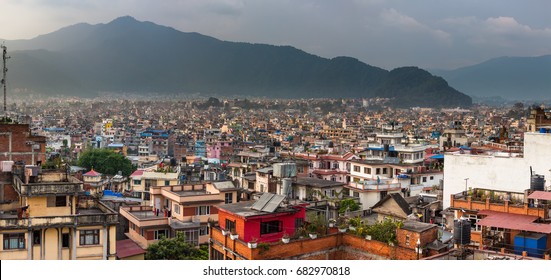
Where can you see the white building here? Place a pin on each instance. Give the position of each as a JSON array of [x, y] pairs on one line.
[[499, 170]]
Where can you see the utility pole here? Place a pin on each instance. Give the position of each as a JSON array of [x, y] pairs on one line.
[[4, 71]]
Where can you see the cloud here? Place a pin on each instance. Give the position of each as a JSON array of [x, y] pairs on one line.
[[405, 23]]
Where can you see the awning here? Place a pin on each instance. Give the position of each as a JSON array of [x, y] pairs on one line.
[[513, 221], [438, 156], [540, 195]]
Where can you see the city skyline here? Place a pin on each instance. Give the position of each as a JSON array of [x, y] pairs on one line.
[[380, 33]]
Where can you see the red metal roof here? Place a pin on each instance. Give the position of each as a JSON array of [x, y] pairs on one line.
[[92, 173], [540, 195], [137, 173], [512, 221], [128, 248]]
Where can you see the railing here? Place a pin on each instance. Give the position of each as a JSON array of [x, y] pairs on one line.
[[56, 221], [375, 186], [46, 188]]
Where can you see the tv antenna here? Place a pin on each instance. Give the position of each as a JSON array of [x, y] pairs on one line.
[[4, 71]]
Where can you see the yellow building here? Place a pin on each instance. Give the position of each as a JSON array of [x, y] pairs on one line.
[[53, 220]]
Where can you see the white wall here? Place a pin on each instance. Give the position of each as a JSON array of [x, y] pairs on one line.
[[489, 172]]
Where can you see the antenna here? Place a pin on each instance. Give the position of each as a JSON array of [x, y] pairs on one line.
[[4, 71]]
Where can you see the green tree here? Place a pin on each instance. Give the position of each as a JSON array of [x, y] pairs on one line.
[[175, 249], [348, 204], [106, 161]]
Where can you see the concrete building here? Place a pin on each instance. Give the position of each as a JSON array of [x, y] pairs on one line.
[[179, 208], [53, 220], [498, 170]]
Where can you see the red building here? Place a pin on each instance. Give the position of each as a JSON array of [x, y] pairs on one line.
[[266, 220]]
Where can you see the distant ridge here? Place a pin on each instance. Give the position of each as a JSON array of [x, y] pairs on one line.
[[126, 55], [515, 78]]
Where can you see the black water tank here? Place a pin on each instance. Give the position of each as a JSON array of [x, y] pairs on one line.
[[462, 232], [537, 182]]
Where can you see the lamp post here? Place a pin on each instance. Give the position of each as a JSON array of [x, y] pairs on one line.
[[418, 247]]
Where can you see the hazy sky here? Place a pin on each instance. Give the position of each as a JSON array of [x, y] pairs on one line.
[[388, 34]]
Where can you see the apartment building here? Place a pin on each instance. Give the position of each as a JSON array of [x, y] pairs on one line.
[[52, 219], [178, 208]]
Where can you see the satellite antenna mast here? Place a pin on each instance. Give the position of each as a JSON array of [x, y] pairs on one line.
[[4, 71]]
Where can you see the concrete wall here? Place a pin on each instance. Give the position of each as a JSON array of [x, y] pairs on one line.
[[496, 173]]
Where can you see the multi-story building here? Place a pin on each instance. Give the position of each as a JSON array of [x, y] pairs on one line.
[[53, 220], [141, 182], [179, 208], [17, 143]]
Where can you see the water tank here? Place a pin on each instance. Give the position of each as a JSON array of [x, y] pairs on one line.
[[537, 182], [285, 170], [286, 186], [462, 232]]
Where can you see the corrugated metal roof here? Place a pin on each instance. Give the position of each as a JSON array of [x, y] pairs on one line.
[[540, 195], [512, 221]]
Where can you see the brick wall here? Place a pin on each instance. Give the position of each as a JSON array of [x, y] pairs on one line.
[[20, 135], [331, 247]]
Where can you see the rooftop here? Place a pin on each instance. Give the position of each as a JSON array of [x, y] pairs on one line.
[[317, 183], [244, 209]]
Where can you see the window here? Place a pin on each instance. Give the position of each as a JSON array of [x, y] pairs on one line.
[[216, 255], [65, 240], [407, 239], [228, 198], [37, 237], [204, 230], [424, 179], [367, 170], [89, 237], [356, 194], [356, 168], [191, 236], [431, 178], [202, 210], [14, 241], [132, 226], [56, 201], [176, 208], [137, 182], [336, 165], [385, 170], [230, 225], [167, 183], [378, 171], [158, 234], [298, 222], [270, 227]]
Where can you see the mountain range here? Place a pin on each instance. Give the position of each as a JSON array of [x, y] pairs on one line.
[[130, 56], [513, 78]]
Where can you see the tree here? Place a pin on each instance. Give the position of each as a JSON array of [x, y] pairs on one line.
[[175, 249], [106, 161]]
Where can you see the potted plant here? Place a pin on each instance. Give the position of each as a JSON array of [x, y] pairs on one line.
[[234, 235], [354, 223], [332, 222], [252, 243], [285, 238], [312, 231], [225, 232], [343, 227]]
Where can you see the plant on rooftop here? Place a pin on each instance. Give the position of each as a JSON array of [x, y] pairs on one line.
[[384, 231], [348, 204], [175, 249]]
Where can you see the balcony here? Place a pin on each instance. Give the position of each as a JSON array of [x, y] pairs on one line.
[[99, 215], [143, 216], [74, 186], [373, 186]]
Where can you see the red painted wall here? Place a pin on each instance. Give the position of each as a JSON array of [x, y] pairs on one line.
[[247, 229]]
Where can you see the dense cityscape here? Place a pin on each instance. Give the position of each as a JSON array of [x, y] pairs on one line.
[[303, 138], [323, 168]]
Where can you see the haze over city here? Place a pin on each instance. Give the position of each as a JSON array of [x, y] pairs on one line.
[[387, 34]]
